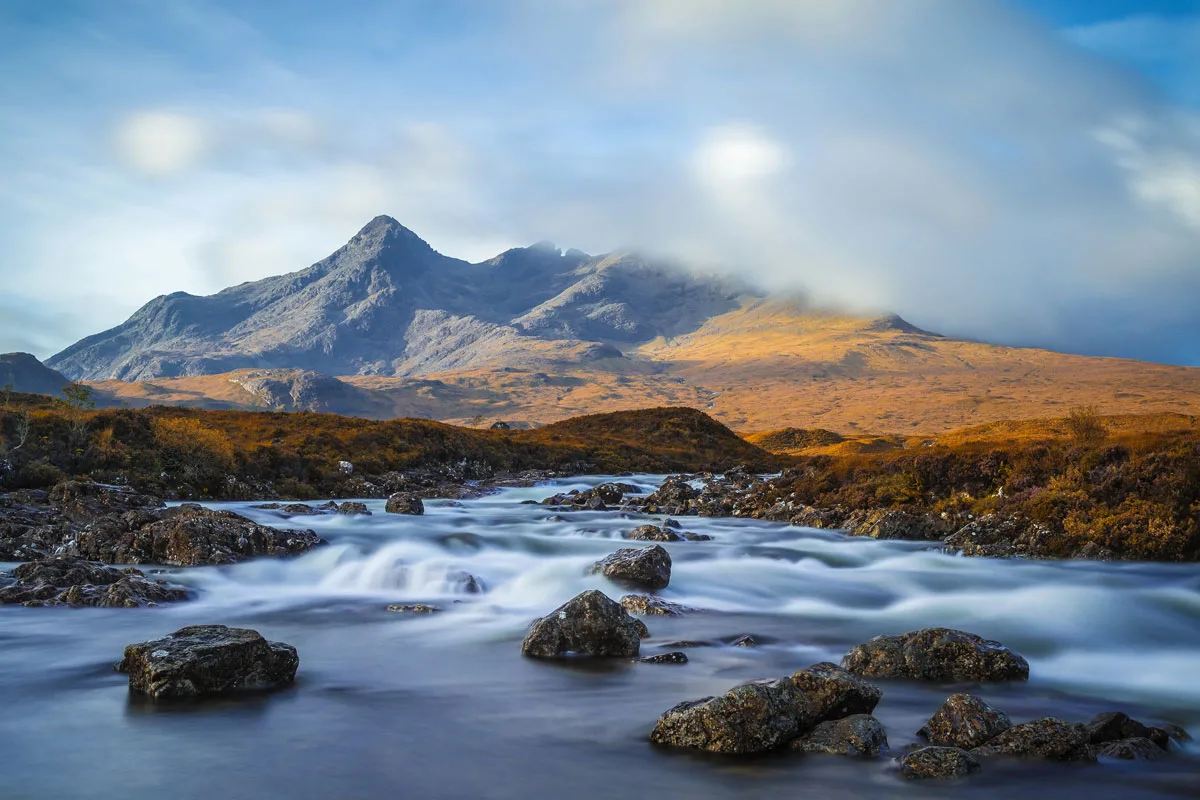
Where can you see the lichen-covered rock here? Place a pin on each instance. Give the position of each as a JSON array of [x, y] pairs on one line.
[[652, 533], [964, 721], [1047, 737], [85, 500], [834, 693], [937, 762], [642, 630], [185, 536], [414, 608], [645, 605], [1134, 749], [751, 718], [353, 508], [665, 658], [1115, 725], [405, 503], [859, 735], [66, 580], [588, 625], [208, 659], [637, 567], [936, 654]]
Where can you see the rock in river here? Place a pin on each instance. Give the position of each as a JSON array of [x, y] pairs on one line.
[[834, 693], [645, 605], [1135, 749], [1112, 726], [405, 503], [1047, 737], [589, 624], [858, 735], [937, 762], [751, 718], [65, 580], [936, 654], [964, 721], [208, 659], [652, 533], [637, 567]]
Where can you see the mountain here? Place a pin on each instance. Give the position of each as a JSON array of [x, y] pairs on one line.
[[22, 372], [387, 327]]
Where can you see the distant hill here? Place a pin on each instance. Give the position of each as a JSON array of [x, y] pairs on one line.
[[22, 372]]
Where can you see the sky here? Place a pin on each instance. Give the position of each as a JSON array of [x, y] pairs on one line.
[[1019, 171]]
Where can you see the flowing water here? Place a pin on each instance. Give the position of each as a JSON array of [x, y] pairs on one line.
[[392, 705]]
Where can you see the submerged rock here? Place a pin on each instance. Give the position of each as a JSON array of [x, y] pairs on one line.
[[1134, 749], [645, 605], [751, 718], [936, 654], [858, 735], [665, 658], [66, 580], [964, 721], [465, 582], [1049, 738], [589, 625], [834, 693], [208, 659], [641, 568], [414, 608], [405, 503], [745, 640], [937, 762]]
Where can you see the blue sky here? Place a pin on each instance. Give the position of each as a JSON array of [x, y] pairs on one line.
[[1022, 171]]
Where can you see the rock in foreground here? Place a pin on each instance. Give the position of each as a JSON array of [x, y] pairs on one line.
[[834, 693], [645, 605], [587, 625], [208, 659], [65, 580], [1047, 737], [751, 718], [936, 654], [405, 503], [637, 567], [937, 762], [859, 735], [964, 721]]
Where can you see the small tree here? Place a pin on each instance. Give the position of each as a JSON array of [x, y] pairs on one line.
[[77, 401], [1086, 426]]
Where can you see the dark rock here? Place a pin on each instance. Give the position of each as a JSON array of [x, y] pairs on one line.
[[208, 659], [1114, 725], [996, 536], [672, 523], [66, 580], [936, 654], [405, 503], [937, 762], [351, 508], [642, 630], [746, 640], [639, 568], [751, 718], [652, 533], [896, 524], [674, 496], [687, 643], [644, 605], [589, 624], [268, 506], [688, 536], [85, 500], [857, 735], [466, 582], [414, 608], [966, 722], [298, 510], [1048, 738], [1174, 732], [1134, 749], [665, 658], [834, 693]]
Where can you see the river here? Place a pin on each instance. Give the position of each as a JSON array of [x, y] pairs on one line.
[[391, 705]]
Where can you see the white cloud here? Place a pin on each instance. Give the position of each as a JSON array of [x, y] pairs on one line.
[[732, 157], [159, 143]]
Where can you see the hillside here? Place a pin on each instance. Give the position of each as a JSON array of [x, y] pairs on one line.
[[22, 372]]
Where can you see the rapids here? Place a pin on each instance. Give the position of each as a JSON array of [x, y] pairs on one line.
[[444, 706]]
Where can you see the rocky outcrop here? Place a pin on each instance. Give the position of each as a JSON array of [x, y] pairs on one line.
[[936, 654], [645, 605], [896, 524], [598, 498], [1046, 738], [996, 536], [206, 660], [859, 735], [65, 580], [638, 568], [588, 625], [964, 721], [937, 762], [1112, 726], [751, 718], [405, 503], [834, 693]]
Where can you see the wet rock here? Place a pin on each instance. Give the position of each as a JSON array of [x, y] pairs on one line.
[[936, 654], [414, 608], [652, 533], [642, 631], [671, 523], [1048, 738], [964, 721], [687, 643], [639, 568], [746, 640], [405, 503], [834, 693], [590, 624], [674, 496], [298, 510], [208, 659], [896, 524], [351, 508], [268, 506], [997, 536], [858, 735], [1135, 749], [751, 718], [466, 582], [66, 580], [665, 658], [1114, 725], [1174, 732], [185, 536], [85, 500], [689, 536], [644, 605], [937, 762]]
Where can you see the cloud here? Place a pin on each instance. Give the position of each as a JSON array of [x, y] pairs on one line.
[[159, 143]]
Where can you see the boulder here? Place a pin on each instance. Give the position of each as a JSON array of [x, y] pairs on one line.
[[636, 567], [405, 503], [642, 630], [936, 654], [858, 735], [85, 500], [645, 605], [352, 508], [937, 762], [1134, 749], [752, 718], [674, 496], [834, 693], [897, 524], [1175, 732], [652, 533], [1048, 738], [66, 580], [1114, 725], [588, 625], [208, 659], [964, 721], [665, 658]]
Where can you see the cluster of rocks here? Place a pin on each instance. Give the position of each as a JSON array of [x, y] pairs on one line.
[[348, 508], [598, 498], [71, 581], [667, 532]]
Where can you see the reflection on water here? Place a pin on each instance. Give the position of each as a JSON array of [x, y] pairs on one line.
[[444, 706]]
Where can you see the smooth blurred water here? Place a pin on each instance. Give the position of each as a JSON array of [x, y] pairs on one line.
[[439, 706]]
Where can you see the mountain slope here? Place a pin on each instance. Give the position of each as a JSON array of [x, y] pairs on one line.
[[22, 372]]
